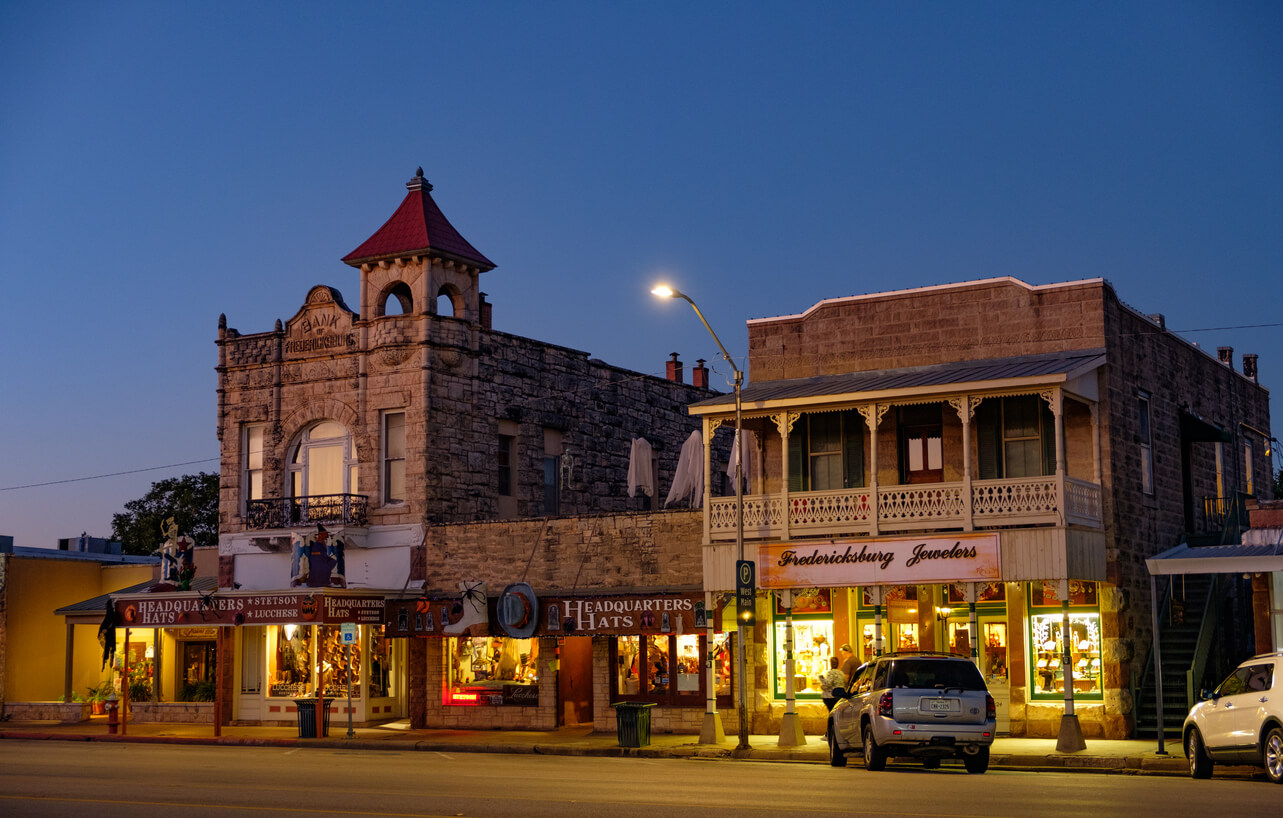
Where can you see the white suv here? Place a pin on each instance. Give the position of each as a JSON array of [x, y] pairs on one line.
[[1241, 721], [928, 706]]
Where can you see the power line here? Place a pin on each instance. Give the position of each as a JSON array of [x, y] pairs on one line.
[[113, 474]]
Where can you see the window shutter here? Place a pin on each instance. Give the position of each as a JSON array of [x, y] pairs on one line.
[[797, 456], [853, 431], [989, 439]]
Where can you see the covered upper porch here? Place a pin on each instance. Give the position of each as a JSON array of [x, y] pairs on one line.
[[961, 446]]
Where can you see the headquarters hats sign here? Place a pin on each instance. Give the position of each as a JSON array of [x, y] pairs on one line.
[[901, 561]]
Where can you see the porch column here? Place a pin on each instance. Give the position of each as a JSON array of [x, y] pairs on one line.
[[872, 414], [711, 731], [1070, 739], [965, 406], [784, 424], [70, 642], [971, 625], [790, 727], [875, 591], [709, 428], [1055, 400]]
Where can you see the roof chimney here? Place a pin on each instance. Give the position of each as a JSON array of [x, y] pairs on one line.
[[1160, 319], [699, 375], [1249, 366], [485, 308], [1226, 356], [674, 369]]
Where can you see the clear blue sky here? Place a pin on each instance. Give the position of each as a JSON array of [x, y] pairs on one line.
[[161, 163]]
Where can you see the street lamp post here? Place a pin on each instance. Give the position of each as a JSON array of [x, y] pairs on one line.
[[741, 648]]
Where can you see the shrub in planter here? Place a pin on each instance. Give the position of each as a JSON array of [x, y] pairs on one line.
[[199, 692]]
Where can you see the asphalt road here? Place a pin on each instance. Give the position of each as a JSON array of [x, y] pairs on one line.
[[54, 778]]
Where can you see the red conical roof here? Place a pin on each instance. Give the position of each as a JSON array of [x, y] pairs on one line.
[[418, 227]]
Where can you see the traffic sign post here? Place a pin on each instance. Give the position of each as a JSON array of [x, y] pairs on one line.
[[746, 591], [347, 634]]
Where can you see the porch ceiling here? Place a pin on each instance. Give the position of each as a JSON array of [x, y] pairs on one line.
[[888, 384]]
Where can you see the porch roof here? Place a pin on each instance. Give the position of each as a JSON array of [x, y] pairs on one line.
[[956, 376], [1218, 559], [90, 611]]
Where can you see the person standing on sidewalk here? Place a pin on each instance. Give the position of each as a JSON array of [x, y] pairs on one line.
[[849, 664], [834, 677]]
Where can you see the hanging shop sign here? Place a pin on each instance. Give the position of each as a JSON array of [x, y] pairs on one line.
[[900, 561], [467, 614], [620, 615], [219, 608], [518, 611]]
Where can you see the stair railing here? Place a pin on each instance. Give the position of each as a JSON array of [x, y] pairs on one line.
[[1203, 646]]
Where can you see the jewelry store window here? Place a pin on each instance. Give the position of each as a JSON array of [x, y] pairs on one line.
[[900, 620], [489, 670], [666, 668], [1047, 646], [812, 642], [991, 622]]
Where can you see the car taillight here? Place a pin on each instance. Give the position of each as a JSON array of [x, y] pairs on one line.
[[991, 707], [884, 704]]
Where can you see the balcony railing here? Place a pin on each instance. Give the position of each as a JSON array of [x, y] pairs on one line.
[[924, 507], [292, 512]]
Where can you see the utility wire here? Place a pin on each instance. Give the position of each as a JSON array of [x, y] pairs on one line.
[[113, 474]]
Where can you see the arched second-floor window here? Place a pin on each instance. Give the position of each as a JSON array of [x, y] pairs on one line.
[[323, 461]]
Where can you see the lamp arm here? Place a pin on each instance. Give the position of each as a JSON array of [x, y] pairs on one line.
[[704, 321]]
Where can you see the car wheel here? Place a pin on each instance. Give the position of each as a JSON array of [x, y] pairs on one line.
[[1272, 755], [1200, 765], [931, 763], [875, 758], [977, 762], [837, 756]]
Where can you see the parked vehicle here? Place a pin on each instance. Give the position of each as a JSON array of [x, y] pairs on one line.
[[1241, 721], [929, 706]]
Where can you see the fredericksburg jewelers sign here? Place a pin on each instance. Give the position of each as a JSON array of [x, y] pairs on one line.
[[901, 561]]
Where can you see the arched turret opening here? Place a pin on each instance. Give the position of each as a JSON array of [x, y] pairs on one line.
[[396, 300]]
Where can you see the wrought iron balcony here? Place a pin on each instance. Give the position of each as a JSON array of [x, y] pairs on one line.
[[297, 512]]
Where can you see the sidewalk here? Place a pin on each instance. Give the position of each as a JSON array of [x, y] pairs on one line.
[[1027, 754]]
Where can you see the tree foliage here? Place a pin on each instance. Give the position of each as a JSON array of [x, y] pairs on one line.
[[1278, 484], [192, 500]]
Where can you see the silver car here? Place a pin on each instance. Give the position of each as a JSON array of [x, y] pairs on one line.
[[928, 706], [1241, 721]]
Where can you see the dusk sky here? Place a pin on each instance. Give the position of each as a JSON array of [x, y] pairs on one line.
[[162, 163]]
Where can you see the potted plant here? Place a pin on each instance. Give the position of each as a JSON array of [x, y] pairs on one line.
[[97, 697]]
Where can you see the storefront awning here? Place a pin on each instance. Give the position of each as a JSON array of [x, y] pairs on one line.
[[90, 611], [1218, 559], [221, 607]]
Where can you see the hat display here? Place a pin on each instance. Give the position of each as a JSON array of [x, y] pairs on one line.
[[518, 611]]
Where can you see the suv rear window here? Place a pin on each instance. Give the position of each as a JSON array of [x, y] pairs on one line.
[[933, 673]]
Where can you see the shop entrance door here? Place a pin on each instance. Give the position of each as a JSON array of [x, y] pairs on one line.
[[574, 681], [993, 664]]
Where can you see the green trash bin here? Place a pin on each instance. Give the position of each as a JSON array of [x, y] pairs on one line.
[[633, 722]]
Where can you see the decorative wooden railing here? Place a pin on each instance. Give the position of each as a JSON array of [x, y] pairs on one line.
[[993, 503]]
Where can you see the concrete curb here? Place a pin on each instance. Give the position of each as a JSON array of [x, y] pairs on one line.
[[1100, 765]]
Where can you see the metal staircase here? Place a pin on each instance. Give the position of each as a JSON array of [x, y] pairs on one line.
[[1187, 623]]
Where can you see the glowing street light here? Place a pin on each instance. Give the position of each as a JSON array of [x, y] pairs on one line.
[[664, 291]]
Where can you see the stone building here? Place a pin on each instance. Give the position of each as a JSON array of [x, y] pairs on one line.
[[981, 468], [404, 463]]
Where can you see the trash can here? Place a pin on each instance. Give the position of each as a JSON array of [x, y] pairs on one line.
[[633, 722], [306, 717]]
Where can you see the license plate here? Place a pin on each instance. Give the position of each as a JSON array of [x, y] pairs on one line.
[[942, 705]]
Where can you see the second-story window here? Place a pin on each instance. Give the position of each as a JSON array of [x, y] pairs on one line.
[[505, 464], [1145, 439], [252, 458], [826, 452], [552, 471], [1248, 486], [1015, 437], [394, 457], [323, 461], [921, 443]]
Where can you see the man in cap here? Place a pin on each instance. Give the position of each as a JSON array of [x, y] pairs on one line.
[[849, 664]]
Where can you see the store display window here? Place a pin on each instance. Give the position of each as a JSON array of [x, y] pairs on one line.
[[340, 668], [489, 670], [813, 642], [1048, 648], [993, 652], [380, 663], [289, 651], [666, 668]]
